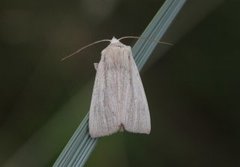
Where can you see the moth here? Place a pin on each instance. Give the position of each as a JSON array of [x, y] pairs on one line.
[[118, 100]]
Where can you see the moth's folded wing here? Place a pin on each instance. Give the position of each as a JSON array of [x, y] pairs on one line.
[[102, 118], [137, 117]]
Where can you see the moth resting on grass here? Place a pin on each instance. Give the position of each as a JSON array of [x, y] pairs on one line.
[[118, 99]]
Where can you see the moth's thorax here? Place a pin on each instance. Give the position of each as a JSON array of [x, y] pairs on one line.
[[116, 54]]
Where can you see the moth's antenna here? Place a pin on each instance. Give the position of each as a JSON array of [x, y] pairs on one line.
[[82, 48], [143, 38]]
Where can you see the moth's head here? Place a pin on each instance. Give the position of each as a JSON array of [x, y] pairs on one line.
[[114, 41]]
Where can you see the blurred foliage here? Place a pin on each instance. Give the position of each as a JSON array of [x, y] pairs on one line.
[[193, 91]]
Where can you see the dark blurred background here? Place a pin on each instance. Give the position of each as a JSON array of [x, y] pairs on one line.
[[192, 87]]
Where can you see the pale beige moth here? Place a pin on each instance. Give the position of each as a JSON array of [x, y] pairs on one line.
[[118, 100]]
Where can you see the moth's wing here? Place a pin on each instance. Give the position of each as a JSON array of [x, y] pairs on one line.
[[137, 116], [103, 119]]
